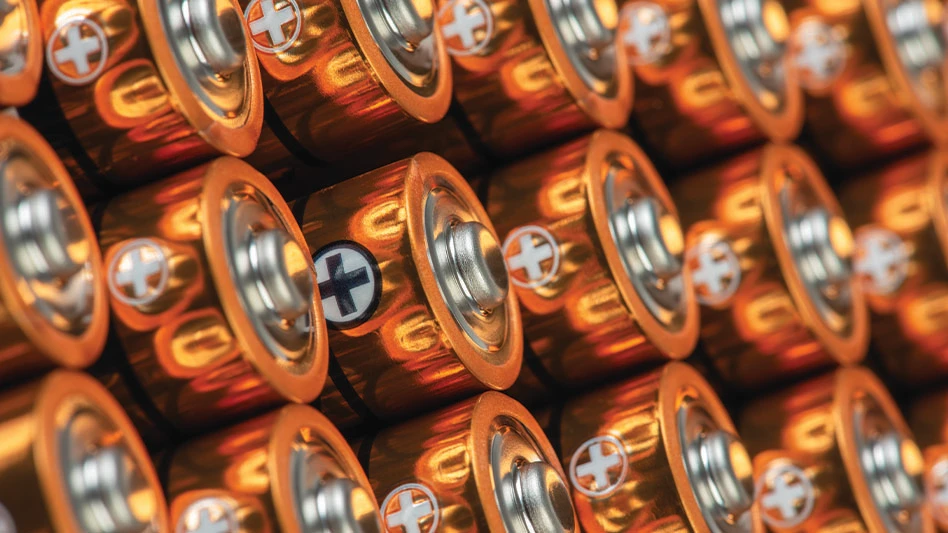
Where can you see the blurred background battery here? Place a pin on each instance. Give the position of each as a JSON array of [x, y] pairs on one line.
[[22, 52], [72, 461], [656, 453], [287, 471], [414, 290], [928, 418], [873, 74], [136, 90], [834, 453], [53, 300], [480, 465], [215, 311], [770, 252], [594, 251], [711, 76]]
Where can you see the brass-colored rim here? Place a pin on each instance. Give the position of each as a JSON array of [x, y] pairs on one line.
[[20, 88]]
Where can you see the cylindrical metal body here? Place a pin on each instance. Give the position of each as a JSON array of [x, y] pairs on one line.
[[22, 53], [53, 301], [289, 471], [213, 300], [594, 252], [770, 253], [414, 290], [135, 90], [710, 75], [71, 461], [482, 465], [634, 457], [928, 418], [900, 221], [834, 453], [873, 73], [347, 82]]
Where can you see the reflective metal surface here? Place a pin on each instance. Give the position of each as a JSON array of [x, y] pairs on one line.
[[21, 52]]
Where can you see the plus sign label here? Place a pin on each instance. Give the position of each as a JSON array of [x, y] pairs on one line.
[[466, 26], [208, 515], [138, 272], [599, 466], [410, 508], [532, 256], [882, 260], [274, 24], [645, 32], [7, 525], [350, 283], [715, 270], [818, 53], [786, 495], [936, 490], [77, 51]]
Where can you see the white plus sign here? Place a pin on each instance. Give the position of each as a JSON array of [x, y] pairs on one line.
[[784, 497], [272, 21], [530, 257], [139, 269], [882, 257], [465, 23], [819, 53], [711, 272], [206, 524], [77, 50], [599, 465], [648, 31], [716, 272], [409, 513]]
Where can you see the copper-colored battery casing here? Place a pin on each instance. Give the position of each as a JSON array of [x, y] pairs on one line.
[[694, 96], [129, 93], [256, 476], [406, 350], [928, 418], [182, 316], [585, 314], [633, 430], [900, 222], [815, 432], [37, 326], [785, 233], [875, 105], [20, 29], [36, 492], [445, 466]]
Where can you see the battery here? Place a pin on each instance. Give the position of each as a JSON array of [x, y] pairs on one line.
[[900, 222], [770, 253], [873, 75], [137, 90], [655, 453], [23, 53], [414, 290], [215, 309], [289, 470], [595, 254], [346, 82], [835, 453], [71, 461], [53, 302], [482, 464], [711, 76], [927, 418]]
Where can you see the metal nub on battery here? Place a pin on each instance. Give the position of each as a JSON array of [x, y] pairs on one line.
[[312, 479], [414, 289], [508, 477], [73, 462], [770, 256], [595, 252], [53, 302], [863, 472], [214, 296], [21, 52]]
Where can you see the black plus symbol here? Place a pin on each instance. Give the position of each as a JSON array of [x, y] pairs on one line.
[[341, 283]]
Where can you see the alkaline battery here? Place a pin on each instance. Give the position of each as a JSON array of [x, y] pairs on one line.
[[214, 303], [22, 52], [834, 454], [53, 301], [900, 221], [928, 418], [414, 290], [481, 465], [594, 251], [346, 82], [288, 471], [657, 453], [770, 256], [137, 89], [873, 72], [528, 73], [71, 461], [711, 75]]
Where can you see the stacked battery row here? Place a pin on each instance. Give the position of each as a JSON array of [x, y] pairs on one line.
[[244, 286]]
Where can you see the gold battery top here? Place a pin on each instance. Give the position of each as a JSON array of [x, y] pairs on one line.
[[20, 34]]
